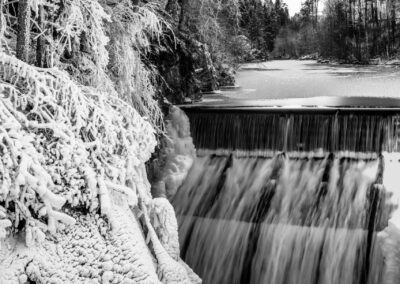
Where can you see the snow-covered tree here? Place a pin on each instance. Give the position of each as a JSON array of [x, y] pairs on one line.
[[75, 202]]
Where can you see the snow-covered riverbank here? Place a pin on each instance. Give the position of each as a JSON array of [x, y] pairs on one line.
[[75, 202]]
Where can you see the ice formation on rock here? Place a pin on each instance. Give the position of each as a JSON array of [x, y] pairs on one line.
[[179, 150], [390, 237], [75, 203]]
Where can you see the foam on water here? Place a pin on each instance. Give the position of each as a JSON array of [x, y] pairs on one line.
[[283, 220]]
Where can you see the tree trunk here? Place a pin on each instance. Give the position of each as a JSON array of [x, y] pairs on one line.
[[23, 37], [135, 4], [366, 29], [40, 43], [393, 23], [172, 8], [184, 16], [389, 44], [359, 29], [2, 24]]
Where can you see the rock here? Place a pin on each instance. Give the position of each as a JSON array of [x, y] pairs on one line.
[[107, 277], [108, 266], [323, 61], [158, 189], [312, 56], [22, 279], [175, 157], [226, 75], [188, 101], [395, 62], [375, 61]]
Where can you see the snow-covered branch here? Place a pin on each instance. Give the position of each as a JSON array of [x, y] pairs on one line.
[[46, 125]]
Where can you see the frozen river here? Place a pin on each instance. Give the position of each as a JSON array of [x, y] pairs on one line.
[[274, 82]]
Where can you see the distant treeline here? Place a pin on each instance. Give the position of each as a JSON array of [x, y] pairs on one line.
[[261, 22], [350, 30]]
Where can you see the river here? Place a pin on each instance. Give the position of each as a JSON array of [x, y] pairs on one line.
[[293, 82]]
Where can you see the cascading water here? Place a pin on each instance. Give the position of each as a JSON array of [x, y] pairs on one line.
[[283, 199]]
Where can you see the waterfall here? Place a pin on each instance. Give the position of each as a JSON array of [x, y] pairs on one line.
[[284, 199], [279, 130]]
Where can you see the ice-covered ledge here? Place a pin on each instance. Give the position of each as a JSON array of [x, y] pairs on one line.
[[317, 104], [176, 155]]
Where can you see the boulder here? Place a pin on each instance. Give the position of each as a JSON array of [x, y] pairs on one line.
[[226, 75], [395, 62]]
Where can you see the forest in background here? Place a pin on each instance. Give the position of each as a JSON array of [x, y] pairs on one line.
[[352, 31]]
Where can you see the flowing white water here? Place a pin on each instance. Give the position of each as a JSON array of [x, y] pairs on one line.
[[282, 220]]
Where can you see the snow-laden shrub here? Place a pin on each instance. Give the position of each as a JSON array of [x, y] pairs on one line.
[[63, 145]]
